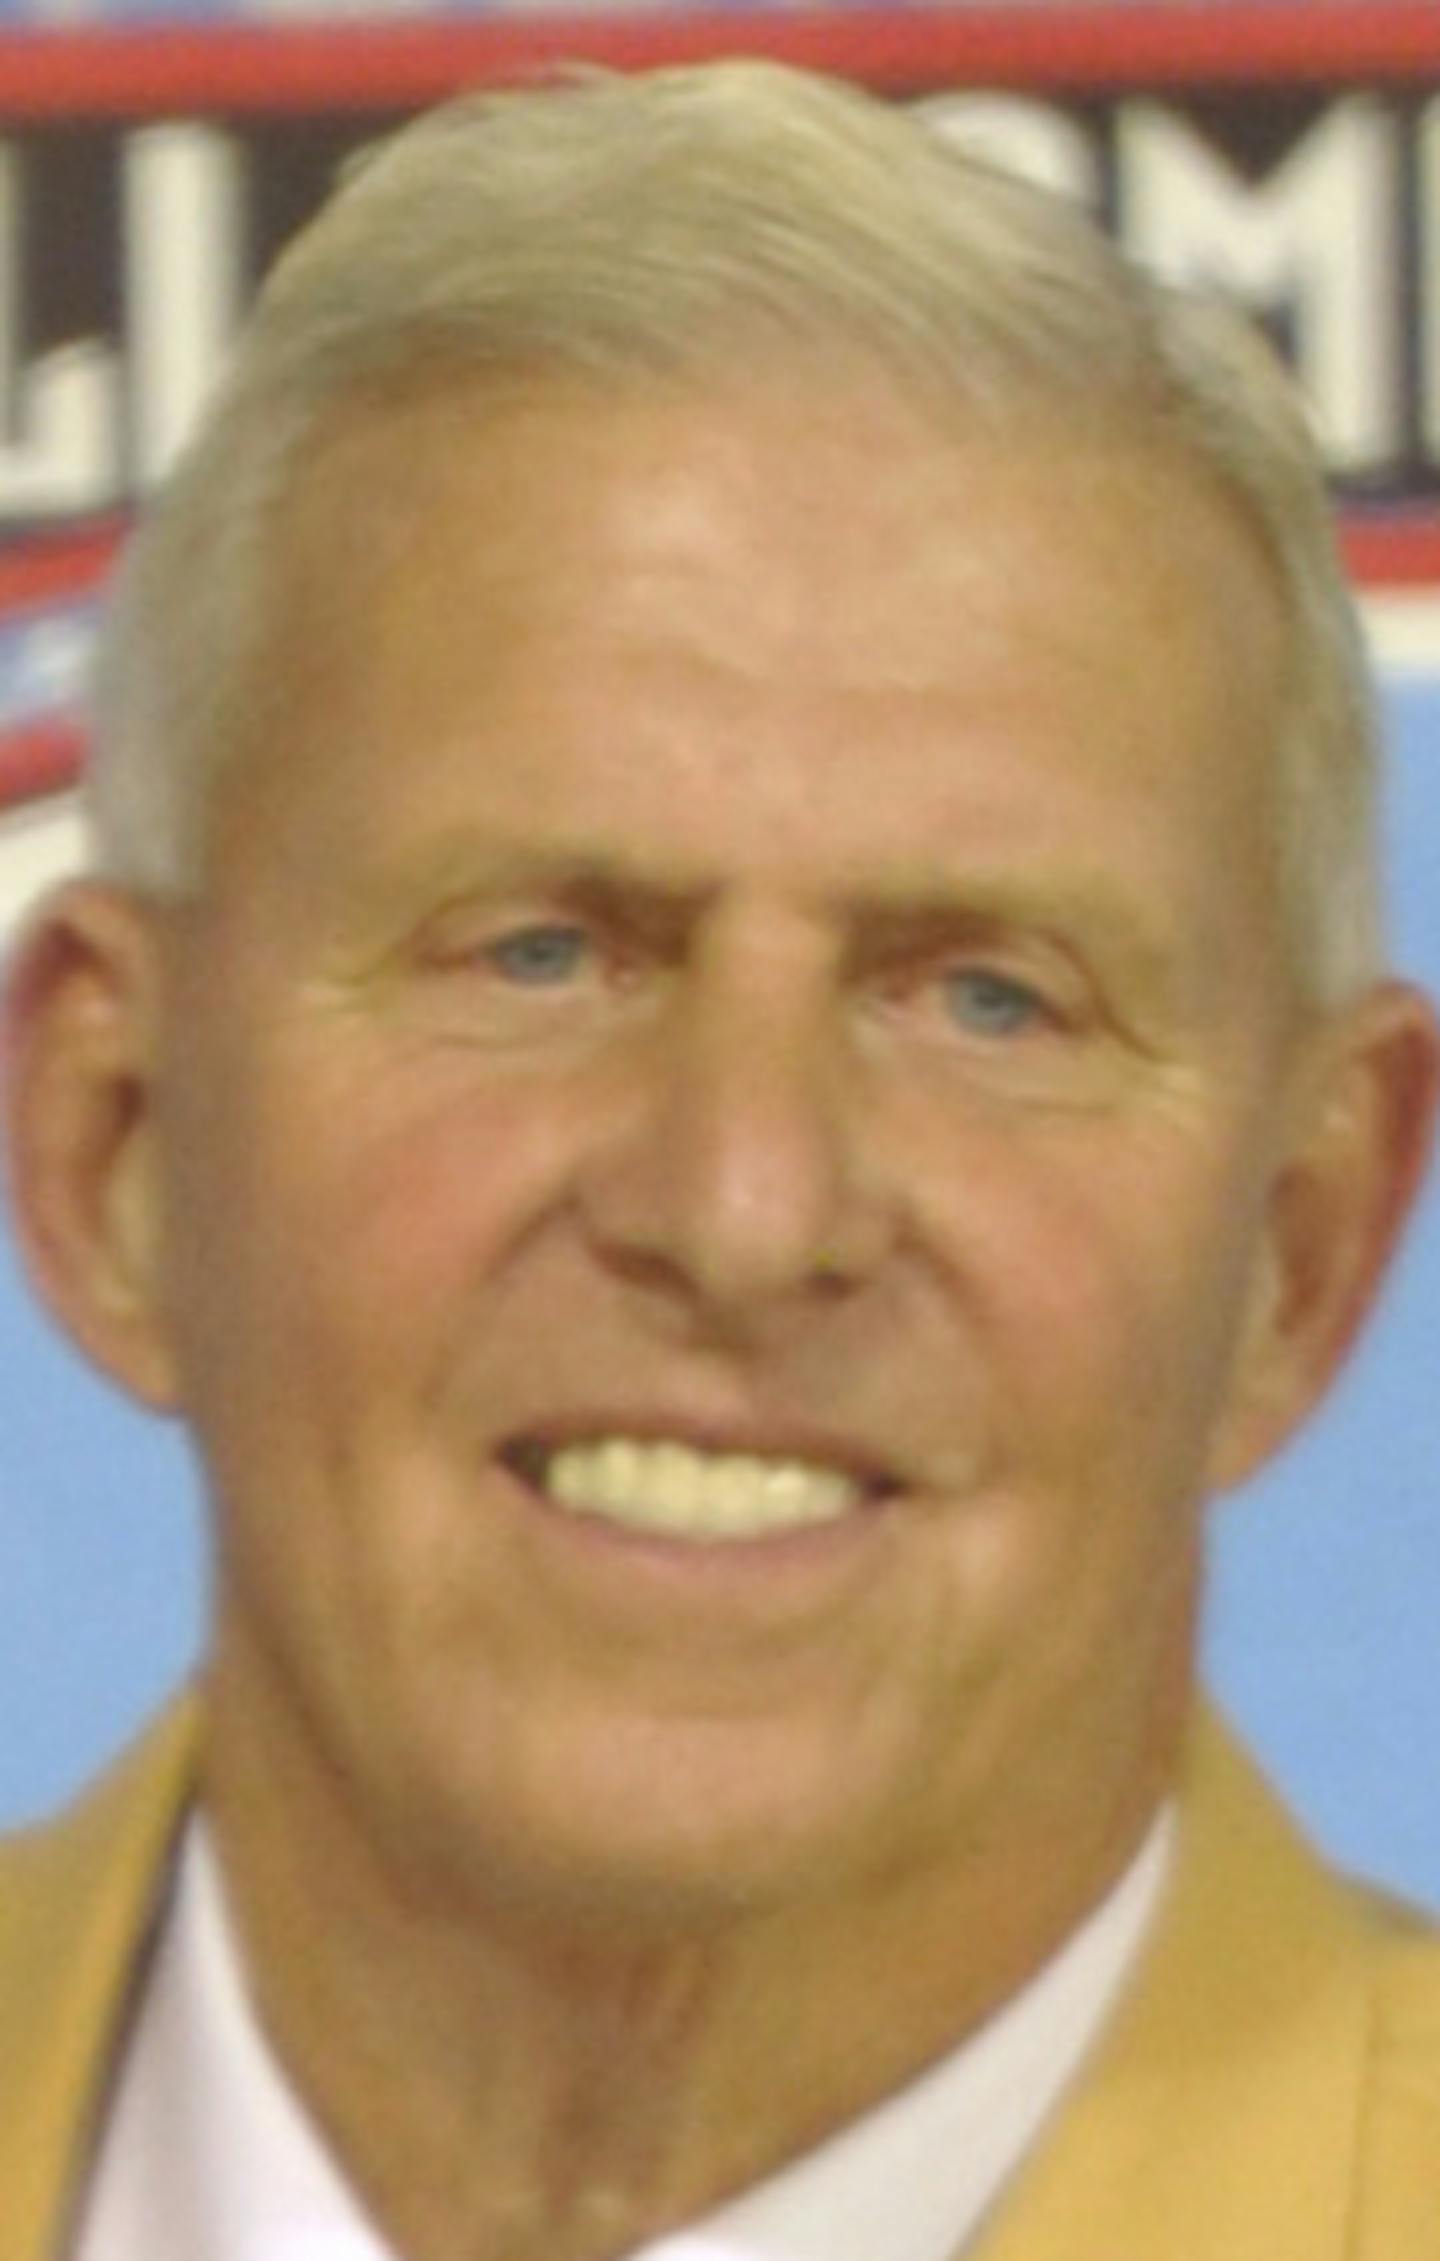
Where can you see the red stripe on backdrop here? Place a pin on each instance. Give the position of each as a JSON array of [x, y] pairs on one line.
[[1394, 553], [38, 761], [402, 65], [52, 567]]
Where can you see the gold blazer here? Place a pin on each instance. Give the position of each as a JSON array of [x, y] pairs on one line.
[[1269, 2090]]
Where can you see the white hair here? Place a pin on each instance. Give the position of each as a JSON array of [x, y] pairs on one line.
[[672, 224]]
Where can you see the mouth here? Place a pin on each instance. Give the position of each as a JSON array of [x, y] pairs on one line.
[[667, 1488]]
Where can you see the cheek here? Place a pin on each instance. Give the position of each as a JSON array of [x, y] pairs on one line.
[[444, 1168], [1102, 1272], [343, 1280], [384, 1188]]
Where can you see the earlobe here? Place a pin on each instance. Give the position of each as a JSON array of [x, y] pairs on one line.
[[1361, 1139], [81, 1017]]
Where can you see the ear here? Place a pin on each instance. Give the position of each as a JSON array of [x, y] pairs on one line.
[[1358, 1140], [81, 1028]]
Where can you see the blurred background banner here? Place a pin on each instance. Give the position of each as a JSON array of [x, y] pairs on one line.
[[153, 158]]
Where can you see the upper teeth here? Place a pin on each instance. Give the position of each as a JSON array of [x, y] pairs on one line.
[[672, 1488]]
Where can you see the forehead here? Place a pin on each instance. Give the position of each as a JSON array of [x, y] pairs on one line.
[[661, 468], [842, 594]]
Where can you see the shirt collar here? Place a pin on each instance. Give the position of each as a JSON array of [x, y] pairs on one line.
[[208, 2149]]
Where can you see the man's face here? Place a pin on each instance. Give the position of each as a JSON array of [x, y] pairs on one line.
[[741, 982]]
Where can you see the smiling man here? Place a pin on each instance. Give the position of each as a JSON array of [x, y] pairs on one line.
[[728, 1048]]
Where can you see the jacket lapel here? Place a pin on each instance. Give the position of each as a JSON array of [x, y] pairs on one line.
[[76, 1902], [1218, 2122], [1220, 2119]]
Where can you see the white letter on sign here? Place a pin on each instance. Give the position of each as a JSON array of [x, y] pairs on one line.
[[183, 242], [1315, 241], [1032, 139]]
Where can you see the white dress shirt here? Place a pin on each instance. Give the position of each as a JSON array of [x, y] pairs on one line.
[[209, 2154]]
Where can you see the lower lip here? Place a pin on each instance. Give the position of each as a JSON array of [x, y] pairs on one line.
[[779, 1567]]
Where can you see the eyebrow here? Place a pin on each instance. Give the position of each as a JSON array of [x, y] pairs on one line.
[[1076, 908], [491, 867], [1060, 902]]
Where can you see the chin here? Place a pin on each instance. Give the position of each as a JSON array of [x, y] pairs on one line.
[[652, 1854]]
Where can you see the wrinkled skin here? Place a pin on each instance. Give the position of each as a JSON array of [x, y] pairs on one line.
[[750, 919]]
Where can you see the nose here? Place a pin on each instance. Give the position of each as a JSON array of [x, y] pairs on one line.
[[739, 1178]]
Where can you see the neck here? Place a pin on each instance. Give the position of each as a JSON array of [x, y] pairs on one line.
[[505, 2080]]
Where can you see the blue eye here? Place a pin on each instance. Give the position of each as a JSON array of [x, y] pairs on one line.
[[540, 957], [991, 1004]]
